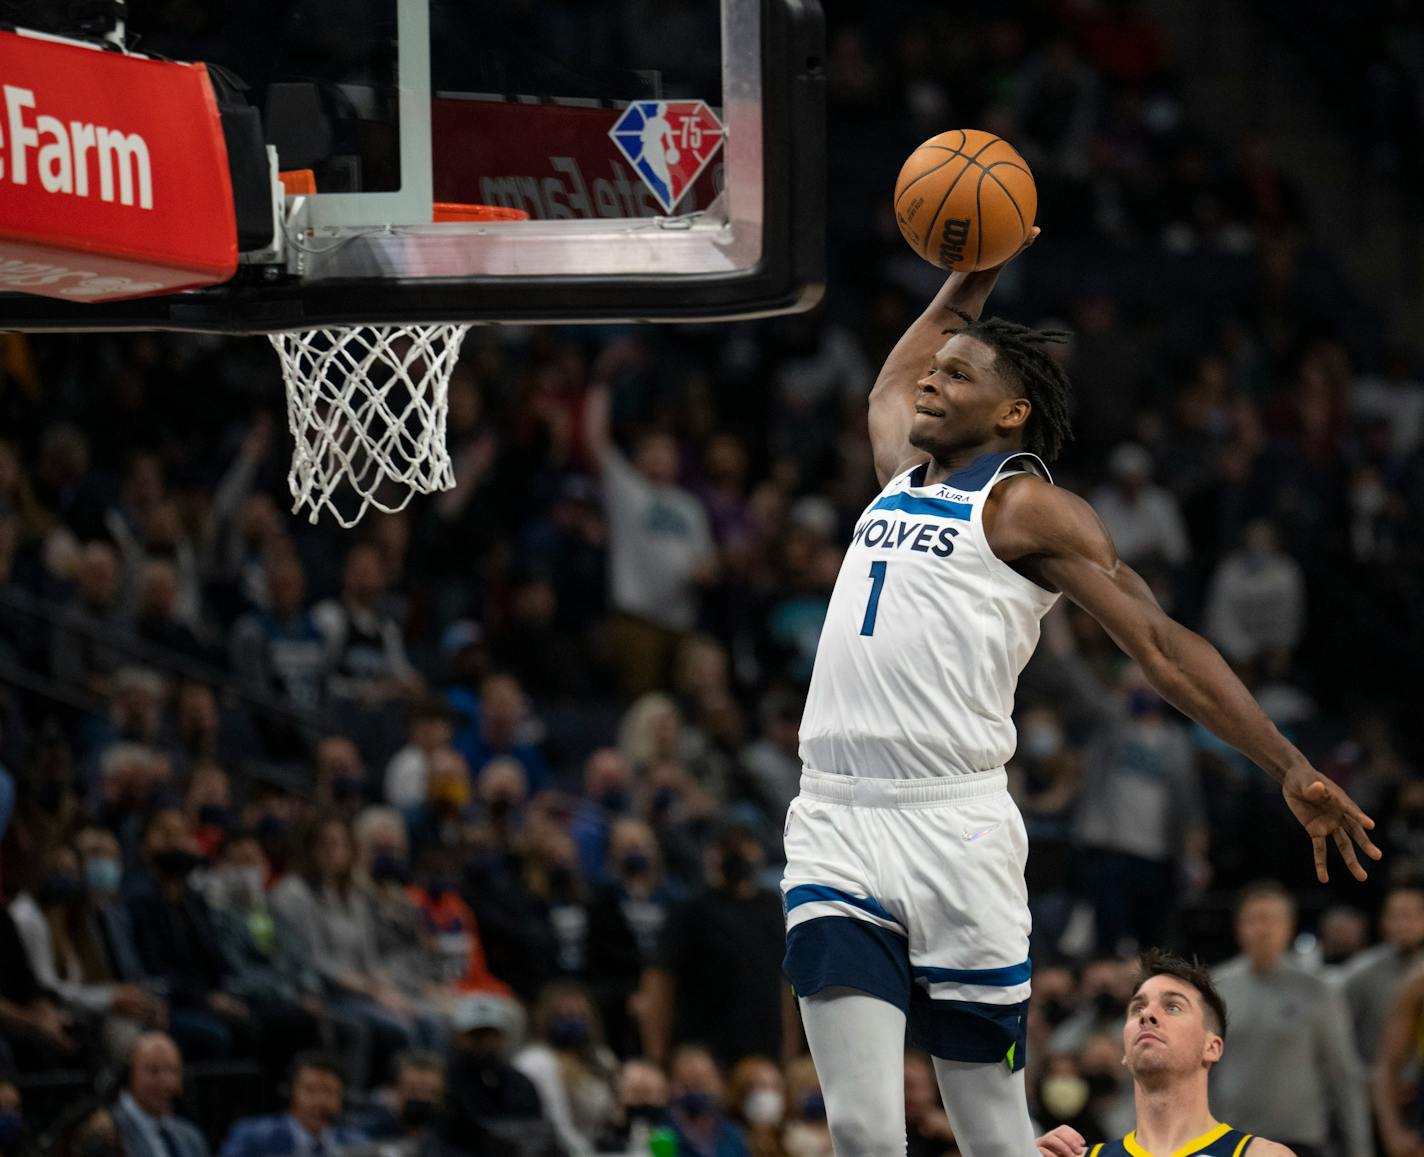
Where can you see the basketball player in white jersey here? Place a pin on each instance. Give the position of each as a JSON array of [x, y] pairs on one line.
[[904, 885]]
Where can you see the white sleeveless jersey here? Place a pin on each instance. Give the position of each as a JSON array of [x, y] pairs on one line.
[[926, 634]]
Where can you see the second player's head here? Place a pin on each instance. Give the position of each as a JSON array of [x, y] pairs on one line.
[[993, 383], [1176, 1021]]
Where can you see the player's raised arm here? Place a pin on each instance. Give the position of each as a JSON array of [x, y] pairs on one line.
[[1054, 537], [892, 399]]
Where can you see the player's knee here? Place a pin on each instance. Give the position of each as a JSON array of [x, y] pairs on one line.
[[862, 1134]]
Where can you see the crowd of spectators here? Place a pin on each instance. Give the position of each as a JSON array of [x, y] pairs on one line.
[[463, 831]]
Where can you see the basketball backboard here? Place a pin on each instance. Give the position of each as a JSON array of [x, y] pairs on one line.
[[669, 156]]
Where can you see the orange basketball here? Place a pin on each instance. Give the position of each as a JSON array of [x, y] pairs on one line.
[[965, 200]]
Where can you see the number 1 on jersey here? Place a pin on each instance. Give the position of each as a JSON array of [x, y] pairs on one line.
[[877, 584]]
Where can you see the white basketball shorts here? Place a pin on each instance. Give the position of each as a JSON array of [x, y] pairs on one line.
[[913, 890]]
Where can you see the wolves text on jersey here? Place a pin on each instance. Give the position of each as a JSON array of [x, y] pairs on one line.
[[895, 533]]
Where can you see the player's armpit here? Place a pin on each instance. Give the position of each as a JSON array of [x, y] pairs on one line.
[[1055, 539]]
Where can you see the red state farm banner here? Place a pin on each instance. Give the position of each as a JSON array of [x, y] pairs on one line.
[[552, 160], [113, 174]]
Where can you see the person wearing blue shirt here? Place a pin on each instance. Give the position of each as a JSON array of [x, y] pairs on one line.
[[695, 1112], [501, 730], [308, 1128]]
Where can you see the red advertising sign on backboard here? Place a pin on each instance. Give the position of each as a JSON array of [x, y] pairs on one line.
[[552, 160], [113, 174]]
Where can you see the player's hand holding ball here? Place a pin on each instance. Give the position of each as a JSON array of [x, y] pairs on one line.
[[965, 200]]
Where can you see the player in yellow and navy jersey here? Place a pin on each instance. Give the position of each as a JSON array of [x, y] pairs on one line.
[[1175, 1032]]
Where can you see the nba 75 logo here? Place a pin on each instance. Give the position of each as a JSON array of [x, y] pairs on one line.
[[669, 142]]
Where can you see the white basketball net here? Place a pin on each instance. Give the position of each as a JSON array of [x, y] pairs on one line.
[[366, 408]]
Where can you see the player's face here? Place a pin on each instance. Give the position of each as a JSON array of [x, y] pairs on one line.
[[962, 401], [1402, 921], [1166, 1029], [1264, 929]]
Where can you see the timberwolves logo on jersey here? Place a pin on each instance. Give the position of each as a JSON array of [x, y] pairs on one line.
[[920, 580], [669, 142], [925, 537]]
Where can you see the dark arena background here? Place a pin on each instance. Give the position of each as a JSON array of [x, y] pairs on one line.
[[484, 800]]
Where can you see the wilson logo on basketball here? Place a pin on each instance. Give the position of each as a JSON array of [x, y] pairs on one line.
[[73, 158], [952, 238]]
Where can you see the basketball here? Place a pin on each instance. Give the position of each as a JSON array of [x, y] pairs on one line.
[[965, 200]]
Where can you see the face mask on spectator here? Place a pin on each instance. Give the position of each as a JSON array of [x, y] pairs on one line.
[[388, 868], [696, 1104], [561, 879], [500, 808], [346, 787], [648, 1113], [764, 1107], [214, 815], [663, 801], [1064, 1096], [12, 1128], [271, 833], [1101, 1084], [49, 793], [1055, 1012], [805, 1140], [614, 800], [484, 1050], [175, 863], [637, 864], [103, 875], [243, 885], [1143, 702], [59, 888], [568, 1032], [1041, 742], [484, 865], [417, 1113], [736, 868]]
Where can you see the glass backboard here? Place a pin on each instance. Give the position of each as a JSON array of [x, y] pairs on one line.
[[667, 157]]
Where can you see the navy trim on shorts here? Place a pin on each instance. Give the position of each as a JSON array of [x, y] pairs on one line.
[[811, 893], [843, 952], [1006, 976], [969, 1030]]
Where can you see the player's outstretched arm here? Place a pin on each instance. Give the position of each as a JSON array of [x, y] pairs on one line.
[[892, 399], [1056, 539]]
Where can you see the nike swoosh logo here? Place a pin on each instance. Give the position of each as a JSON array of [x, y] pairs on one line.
[[970, 837]]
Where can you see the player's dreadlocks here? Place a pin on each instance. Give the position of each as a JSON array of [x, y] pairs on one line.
[[1023, 362]]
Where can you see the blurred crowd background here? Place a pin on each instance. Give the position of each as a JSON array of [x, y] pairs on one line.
[[483, 801]]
